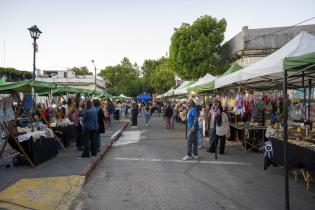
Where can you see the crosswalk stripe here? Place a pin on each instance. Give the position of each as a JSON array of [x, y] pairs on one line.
[[187, 161]]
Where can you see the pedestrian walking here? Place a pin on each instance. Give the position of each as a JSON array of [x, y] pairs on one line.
[[211, 118], [110, 110], [74, 117], [147, 114], [89, 129], [193, 126], [134, 114], [222, 129], [200, 123], [168, 113], [100, 121]]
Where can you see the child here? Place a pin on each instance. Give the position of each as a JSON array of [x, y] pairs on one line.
[[268, 146]]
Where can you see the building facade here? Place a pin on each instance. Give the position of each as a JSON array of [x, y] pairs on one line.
[[69, 78], [251, 45]]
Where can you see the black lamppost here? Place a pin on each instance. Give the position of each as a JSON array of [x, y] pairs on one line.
[[94, 74], [35, 33]]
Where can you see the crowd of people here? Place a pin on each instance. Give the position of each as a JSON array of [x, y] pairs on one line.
[[91, 117], [201, 120]]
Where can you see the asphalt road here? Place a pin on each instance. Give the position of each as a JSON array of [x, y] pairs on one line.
[[144, 171]]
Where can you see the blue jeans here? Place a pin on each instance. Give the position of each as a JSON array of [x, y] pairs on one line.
[[200, 136], [111, 120], [211, 136], [147, 117], [192, 143]]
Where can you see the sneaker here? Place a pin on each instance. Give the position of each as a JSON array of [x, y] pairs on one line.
[[187, 158], [195, 157], [82, 157]]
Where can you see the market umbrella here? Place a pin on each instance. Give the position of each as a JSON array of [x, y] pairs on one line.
[[144, 98], [27, 85]]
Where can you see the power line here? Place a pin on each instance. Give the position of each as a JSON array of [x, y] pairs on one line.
[[283, 29]]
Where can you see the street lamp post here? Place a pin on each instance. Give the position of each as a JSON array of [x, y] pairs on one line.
[[35, 33], [94, 74]]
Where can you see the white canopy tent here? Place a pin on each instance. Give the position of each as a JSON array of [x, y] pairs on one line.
[[182, 89], [268, 72]]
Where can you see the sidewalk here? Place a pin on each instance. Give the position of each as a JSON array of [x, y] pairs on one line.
[[53, 183]]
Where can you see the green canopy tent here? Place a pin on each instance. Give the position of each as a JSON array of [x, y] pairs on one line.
[[233, 68], [169, 93], [105, 95], [122, 96], [26, 86], [204, 84], [2, 80]]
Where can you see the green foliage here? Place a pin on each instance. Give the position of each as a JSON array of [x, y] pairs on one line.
[[123, 78], [83, 70], [195, 48], [157, 76], [13, 71]]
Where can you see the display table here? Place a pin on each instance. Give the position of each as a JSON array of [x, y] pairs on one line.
[[253, 137], [301, 160], [67, 134], [38, 151]]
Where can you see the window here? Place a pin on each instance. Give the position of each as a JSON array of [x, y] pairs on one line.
[[65, 74]]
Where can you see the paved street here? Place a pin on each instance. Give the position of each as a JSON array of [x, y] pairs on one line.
[[144, 171]]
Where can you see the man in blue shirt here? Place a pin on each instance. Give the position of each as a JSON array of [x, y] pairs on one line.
[[90, 126], [193, 126]]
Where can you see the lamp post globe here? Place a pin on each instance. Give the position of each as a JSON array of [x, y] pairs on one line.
[[94, 74], [35, 33]]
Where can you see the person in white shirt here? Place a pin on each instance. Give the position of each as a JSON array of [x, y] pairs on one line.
[[222, 128]]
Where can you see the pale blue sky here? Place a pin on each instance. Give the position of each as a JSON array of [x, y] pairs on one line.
[[76, 31]]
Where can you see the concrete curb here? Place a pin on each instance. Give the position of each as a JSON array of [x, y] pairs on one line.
[[103, 151]]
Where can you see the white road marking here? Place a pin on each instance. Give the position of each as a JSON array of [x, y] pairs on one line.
[[187, 161], [128, 137]]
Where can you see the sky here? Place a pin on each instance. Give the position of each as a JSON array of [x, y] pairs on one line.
[[77, 31]]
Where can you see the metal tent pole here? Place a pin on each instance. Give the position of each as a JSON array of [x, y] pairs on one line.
[[304, 96], [285, 140], [309, 98]]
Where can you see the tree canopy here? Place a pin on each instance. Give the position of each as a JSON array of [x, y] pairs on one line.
[[83, 70], [123, 78], [195, 48], [157, 76]]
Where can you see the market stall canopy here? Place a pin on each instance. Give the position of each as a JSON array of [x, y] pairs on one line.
[[182, 89], [204, 84], [144, 98], [105, 95], [299, 62], [233, 68], [2, 80], [27, 85], [268, 72], [122, 96], [169, 93], [301, 68]]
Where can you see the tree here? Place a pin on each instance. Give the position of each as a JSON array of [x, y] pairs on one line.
[[157, 76], [195, 48], [83, 70], [123, 78]]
